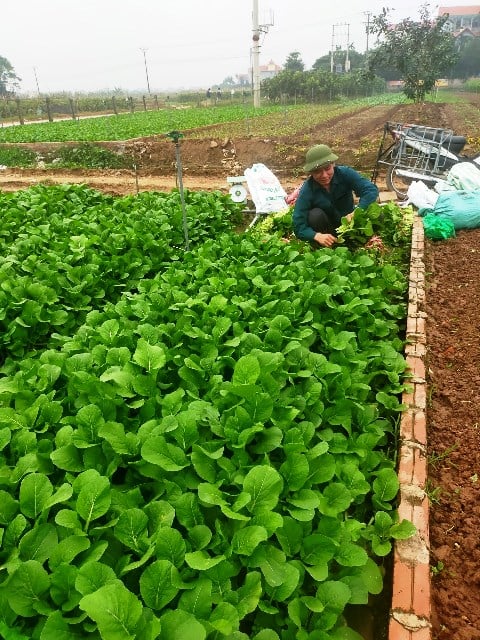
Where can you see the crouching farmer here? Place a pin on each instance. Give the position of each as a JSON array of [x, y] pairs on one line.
[[327, 195]]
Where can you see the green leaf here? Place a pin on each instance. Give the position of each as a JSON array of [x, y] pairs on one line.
[[370, 577], [295, 470], [38, 543], [380, 546], [150, 357], [62, 494], [93, 575], [247, 371], [318, 549], [199, 600], [335, 499], [187, 510], [94, 499], [131, 529], [115, 610], [266, 634], [108, 330], [89, 419], [26, 586], [167, 456], [181, 625], [344, 633], [334, 595], [389, 401], [249, 594], [246, 540], [200, 536], [5, 436], [290, 536], [62, 588], [304, 499], [201, 561], [158, 584], [57, 627], [386, 485], [160, 514], [291, 579], [171, 546], [67, 549], [68, 519], [8, 507], [403, 530], [35, 491], [67, 458], [351, 555], [264, 484], [224, 619]]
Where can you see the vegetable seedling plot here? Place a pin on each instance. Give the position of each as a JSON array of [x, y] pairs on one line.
[[210, 453]]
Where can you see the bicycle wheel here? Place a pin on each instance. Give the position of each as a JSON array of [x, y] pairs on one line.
[[397, 182]]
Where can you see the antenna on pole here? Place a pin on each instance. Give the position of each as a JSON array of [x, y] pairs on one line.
[[340, 37]]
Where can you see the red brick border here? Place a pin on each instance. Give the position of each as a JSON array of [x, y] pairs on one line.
[[410, 614]]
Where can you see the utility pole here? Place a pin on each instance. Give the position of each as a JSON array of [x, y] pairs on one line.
[[331, 48], [256, 56], [36, 80], [257, 29], [367, 29], [146, 69], [347, 61]]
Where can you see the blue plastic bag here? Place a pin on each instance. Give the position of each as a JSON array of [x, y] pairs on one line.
[[462, 208]]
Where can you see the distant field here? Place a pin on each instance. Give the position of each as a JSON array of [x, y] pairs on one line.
[[233, 120]]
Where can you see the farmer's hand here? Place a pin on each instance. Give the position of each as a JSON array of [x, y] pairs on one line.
[[325, 239], [349, 216]]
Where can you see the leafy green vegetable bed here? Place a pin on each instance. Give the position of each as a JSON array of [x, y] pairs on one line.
[[210, 453], [69, 249]]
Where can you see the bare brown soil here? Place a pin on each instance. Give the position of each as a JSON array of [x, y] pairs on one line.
[[453, 418], [453, 324]]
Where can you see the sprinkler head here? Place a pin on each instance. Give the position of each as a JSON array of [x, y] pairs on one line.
[[174, 135]]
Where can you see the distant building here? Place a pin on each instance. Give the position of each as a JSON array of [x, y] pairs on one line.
[[269, 70], [463, 22]]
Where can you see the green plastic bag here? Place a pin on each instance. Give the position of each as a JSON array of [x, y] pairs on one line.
[[438, 228]]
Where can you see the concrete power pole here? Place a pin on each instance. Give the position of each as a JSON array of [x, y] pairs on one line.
[[367, 28], [146, 69], [256, 56], [331, 48], [347, 59]]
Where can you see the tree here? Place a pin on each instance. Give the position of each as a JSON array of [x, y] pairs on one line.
[[228, 82], [294, 62], [357, 60], [8, 77], [421, 52], [468, 64]]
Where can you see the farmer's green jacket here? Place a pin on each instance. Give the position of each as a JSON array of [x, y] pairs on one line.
[[336, 203]]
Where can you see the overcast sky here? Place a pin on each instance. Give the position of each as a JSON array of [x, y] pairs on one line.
[[91, 45]]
